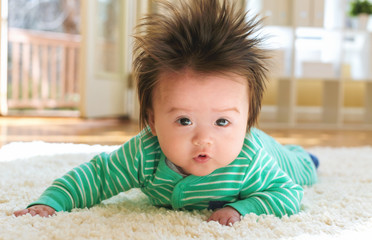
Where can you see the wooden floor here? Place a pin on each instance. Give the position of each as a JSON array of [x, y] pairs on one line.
[[117, 131]]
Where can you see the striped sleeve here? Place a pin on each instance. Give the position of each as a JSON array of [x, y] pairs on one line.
[[104, 176], [292, 159], [267, 189]]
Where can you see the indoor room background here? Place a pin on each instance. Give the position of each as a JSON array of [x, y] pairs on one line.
[[73, 58]]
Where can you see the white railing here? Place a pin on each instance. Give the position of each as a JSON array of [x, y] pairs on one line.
[[42, 69]]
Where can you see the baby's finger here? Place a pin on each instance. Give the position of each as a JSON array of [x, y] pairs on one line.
[[213, 218], [223, 221], [44, 214], [32, 212], [20, 212], [232, 220]]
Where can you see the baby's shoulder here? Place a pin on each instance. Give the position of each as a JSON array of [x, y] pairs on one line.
[[143, 146], [146, 136], [252, 140], [253, 146]]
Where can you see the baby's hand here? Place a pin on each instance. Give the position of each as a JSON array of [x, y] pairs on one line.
[[41, 210], [225, 216]]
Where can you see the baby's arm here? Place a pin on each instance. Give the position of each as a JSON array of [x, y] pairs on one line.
[[268, 190], [41, 210], [88, 184]]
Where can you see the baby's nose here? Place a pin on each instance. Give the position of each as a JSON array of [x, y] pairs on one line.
[[202, 139]]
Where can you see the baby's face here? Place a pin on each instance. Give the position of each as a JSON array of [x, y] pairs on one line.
[[200, 120]]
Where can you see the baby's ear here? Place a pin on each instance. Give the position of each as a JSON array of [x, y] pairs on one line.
[[151, 121]]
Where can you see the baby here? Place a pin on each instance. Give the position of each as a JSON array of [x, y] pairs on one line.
[[200, 75]]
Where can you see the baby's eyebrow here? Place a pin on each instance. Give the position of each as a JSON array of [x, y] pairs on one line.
[[176, 109], [233, 109]]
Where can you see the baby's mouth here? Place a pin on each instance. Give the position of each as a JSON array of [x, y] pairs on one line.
[[201, 158]]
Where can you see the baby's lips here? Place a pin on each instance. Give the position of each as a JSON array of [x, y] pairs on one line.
[[202, 154], [202, 158]]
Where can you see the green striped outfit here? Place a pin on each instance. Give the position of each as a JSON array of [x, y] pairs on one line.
[[264, 179]]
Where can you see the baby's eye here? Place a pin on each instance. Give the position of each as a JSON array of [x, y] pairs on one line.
[[222, 122], [184, 121]]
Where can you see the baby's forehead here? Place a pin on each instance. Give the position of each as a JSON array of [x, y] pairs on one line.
[[179, 85], [190, 86]]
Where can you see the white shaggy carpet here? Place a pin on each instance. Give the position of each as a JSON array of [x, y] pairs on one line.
[[338, 207]]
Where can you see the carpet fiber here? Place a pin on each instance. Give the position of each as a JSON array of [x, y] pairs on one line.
[[338, 207]]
